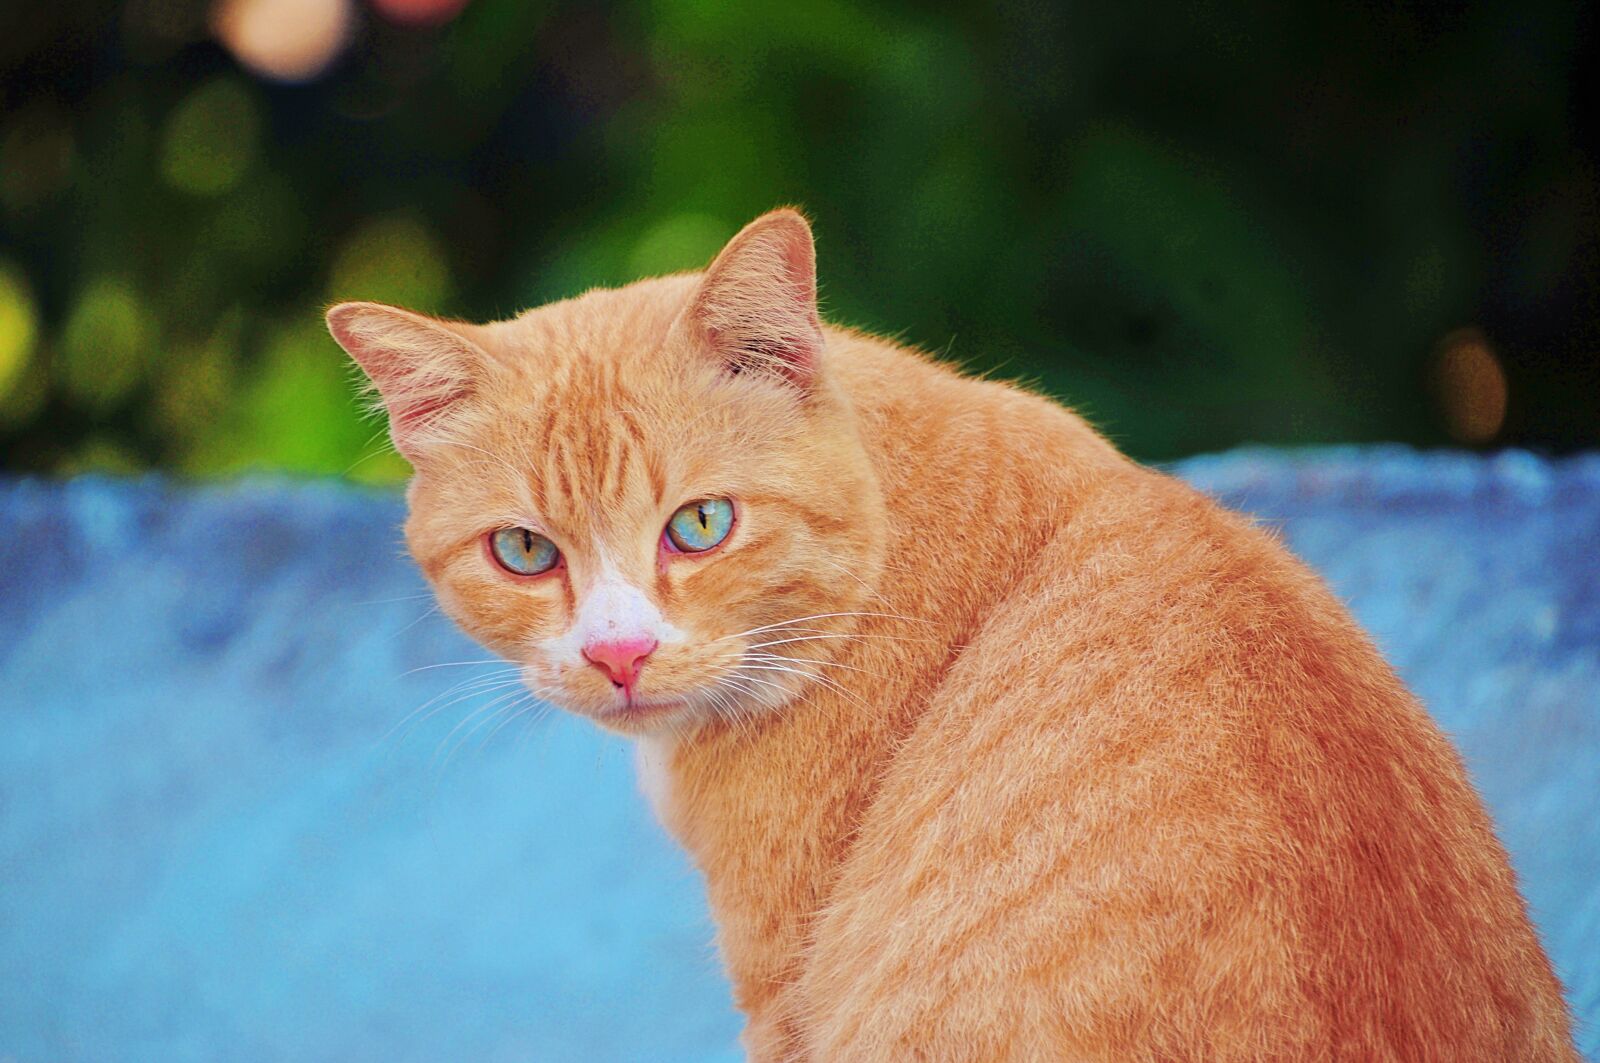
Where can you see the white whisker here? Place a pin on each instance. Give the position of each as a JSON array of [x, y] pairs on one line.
[[460, 664], [476, 714], [456, 693], [778, 658], [817, 616], [824, 680], [536, 705], [820, 638]]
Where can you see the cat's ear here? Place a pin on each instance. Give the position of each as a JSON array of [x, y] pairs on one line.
[[423, 369], [756, 308]]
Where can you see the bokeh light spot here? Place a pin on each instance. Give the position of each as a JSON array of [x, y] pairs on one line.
[[104, 343], [24, 396], [683, 241], [1471, 386], [391, 259], [19, 324], [210, 141], [289, 40]]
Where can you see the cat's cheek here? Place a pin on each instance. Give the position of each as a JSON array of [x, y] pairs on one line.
[[452, 603], [504, 618]]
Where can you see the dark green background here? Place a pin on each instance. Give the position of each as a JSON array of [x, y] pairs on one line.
[[1200, 224]]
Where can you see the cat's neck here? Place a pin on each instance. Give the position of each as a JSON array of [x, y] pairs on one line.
[[974, 476]]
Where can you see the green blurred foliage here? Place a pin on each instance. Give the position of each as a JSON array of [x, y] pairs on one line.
[[1200, 224]]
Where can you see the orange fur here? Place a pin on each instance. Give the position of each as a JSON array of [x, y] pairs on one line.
[[1066, 763]]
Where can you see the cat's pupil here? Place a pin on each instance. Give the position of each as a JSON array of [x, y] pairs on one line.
[[700, 511], [527, 541]]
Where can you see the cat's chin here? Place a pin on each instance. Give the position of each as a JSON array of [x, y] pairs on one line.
[[645, 716]]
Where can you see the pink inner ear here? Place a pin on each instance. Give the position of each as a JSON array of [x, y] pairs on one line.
[[412, 394], [419, 367], [407, 417]]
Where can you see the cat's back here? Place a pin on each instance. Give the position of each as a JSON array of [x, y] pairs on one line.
[[1166, 802]]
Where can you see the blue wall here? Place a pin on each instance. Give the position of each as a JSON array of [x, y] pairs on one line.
[[216, 842]]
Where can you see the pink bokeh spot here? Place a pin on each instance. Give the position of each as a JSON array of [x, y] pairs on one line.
[[288, 40], [419, 12]]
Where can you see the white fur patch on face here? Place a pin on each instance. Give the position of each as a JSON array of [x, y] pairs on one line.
[[614, 610]]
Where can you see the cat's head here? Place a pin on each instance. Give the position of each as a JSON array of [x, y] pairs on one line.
[[654, 499]]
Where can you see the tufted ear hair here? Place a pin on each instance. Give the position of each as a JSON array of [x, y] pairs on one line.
[[423, 369], [756, 308]]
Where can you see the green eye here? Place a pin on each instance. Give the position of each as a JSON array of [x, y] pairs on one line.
[[523, 552], [701, 525]]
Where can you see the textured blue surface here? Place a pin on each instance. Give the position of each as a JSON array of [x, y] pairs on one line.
[[214, 842]]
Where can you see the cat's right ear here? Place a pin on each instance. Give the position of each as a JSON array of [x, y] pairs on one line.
[[423, 369], [756, 308]]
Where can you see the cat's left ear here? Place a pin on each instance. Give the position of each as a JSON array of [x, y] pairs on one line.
[[756, 309], [424, 370]]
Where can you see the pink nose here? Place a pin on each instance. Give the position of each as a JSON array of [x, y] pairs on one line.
[[621, 660]]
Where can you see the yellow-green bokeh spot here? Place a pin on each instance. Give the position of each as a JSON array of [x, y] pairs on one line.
[[19, 324], [25, 396], [393, 259], [105, 343], [211, 138], [683, 241]]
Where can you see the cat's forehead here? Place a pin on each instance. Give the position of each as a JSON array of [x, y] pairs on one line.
[[586, 340], [592, 378]]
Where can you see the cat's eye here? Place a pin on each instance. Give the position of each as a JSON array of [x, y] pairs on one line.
[[523, 552], [700, 525]]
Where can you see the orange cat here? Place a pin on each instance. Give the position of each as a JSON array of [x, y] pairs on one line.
[[991, 743]]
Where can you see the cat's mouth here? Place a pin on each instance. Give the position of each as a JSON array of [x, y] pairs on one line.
[[636, 710], [630, 712]]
